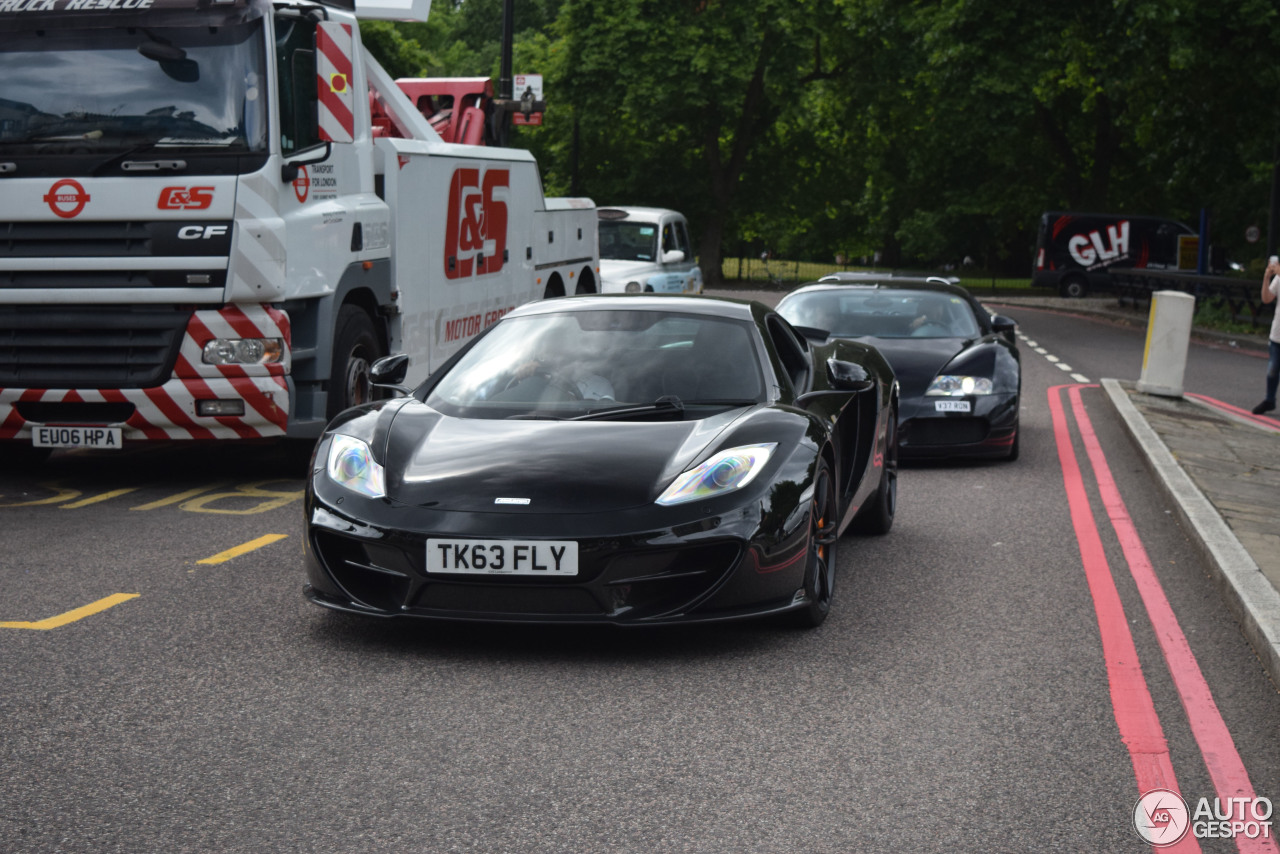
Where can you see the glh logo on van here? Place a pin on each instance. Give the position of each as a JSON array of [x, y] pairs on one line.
[[1089, 249], [1076, 251]]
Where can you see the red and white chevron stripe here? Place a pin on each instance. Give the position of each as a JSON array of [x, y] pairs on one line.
[[168, 411], [335, 82]]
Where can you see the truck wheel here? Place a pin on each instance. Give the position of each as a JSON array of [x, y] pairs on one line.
[[555, 288], [355, 349], [1074, 287]]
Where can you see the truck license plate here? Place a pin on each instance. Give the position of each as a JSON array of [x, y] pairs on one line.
[[78, 436]]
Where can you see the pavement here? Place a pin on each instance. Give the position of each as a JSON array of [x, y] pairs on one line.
[[1221, 470], [1219, 466]]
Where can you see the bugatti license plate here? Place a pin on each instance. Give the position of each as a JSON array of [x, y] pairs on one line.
[[951, 406], [503, 557]]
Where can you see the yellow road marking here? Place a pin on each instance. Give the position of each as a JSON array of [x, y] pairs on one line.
[[72, 616], [94, 499], [223, 557], [275, 498], [181, 496], [63, 493]]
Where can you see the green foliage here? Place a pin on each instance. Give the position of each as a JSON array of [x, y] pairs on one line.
[[927, 131]]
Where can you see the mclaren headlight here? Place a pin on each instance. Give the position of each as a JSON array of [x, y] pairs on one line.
[[351, 464], [724, 472], [949, 385]]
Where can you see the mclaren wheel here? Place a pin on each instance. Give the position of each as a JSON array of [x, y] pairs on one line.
[[820, 571]]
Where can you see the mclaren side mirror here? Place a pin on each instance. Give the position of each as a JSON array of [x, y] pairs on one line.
[[390, 371], [848, 376]]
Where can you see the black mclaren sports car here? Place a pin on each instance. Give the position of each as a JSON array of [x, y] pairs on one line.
[[958, 365], [625, 460]]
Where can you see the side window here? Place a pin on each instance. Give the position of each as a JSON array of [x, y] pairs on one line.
[[296, 74], [682, 236], [669, 238]]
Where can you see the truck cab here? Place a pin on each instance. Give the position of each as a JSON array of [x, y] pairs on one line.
[[646, 250]]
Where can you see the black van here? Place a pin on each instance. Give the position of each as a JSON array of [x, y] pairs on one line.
[[1074, 250]]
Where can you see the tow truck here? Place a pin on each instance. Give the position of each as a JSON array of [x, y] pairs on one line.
[[215, 215]]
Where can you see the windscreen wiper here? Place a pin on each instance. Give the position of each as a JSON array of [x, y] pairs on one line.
[[665, 404], [535, 416]]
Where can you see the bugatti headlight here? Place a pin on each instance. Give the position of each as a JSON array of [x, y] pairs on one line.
[[724, 472], [949, 385], [351, 464]]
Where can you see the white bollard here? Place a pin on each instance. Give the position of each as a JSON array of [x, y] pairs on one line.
[[1164, 359]]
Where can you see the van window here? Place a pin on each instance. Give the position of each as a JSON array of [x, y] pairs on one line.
[[685, 243]]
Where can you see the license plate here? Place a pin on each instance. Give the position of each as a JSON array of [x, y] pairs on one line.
[[503, 557], [951, 406], [80, 436]]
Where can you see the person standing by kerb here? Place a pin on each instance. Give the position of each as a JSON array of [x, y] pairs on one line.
[[1271, 290]]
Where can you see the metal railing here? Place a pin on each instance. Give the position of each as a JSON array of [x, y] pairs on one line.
[[1242, 298]]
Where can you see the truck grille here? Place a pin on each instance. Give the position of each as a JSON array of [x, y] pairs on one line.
[[85, 239], [167, 238], [113, 278], [89, 346]]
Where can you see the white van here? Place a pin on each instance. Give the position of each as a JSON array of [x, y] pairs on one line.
[[646, 250]]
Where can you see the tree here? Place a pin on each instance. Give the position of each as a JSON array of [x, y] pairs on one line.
[[692, 89]]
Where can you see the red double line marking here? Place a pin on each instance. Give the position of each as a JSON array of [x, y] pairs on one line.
[[1131, 701]]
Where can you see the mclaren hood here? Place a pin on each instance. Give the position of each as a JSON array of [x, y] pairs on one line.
[[555, 466]]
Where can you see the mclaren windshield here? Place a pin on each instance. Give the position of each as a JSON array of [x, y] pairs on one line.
[[613, 364], [132, 89]]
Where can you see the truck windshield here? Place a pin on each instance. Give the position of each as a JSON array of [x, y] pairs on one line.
[[112, 90]]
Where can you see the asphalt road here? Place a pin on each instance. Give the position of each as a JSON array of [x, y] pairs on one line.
[[958, 699]]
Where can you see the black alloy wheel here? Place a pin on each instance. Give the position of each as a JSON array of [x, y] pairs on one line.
[[820, 570]]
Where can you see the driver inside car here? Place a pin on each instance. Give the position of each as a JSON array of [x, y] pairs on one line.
[[933, 319], [549, 377]]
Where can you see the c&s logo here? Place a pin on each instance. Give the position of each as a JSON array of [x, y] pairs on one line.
[[475, 238], [185, 198]]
